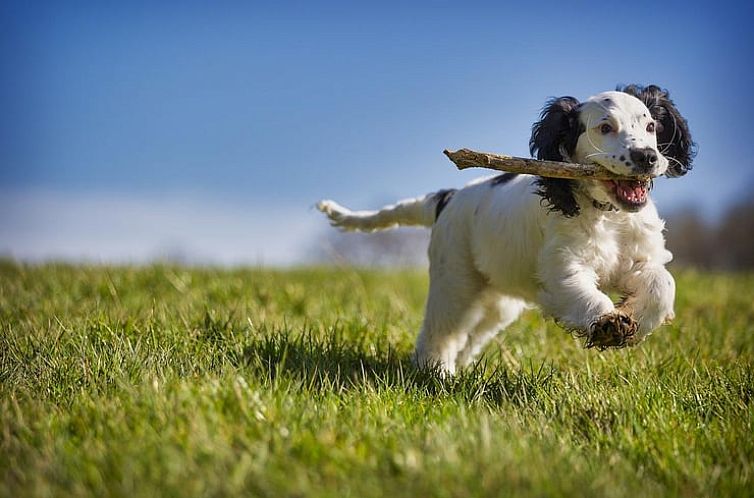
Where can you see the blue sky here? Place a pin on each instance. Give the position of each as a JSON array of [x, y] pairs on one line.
[[129, 131]]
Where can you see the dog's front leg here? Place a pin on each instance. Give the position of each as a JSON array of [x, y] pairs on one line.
[[571, 295], [650, 293]]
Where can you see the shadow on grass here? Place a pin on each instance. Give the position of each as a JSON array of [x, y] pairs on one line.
[[336, 365]]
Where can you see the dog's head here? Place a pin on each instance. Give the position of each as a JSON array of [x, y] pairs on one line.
[[634, 131]]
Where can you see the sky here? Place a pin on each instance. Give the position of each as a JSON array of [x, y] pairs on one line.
[[207, 131]]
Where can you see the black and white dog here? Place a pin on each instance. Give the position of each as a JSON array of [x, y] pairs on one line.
[[503, 244]]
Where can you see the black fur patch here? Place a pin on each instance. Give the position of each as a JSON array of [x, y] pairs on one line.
[[557, 195], [673, 135], [502, 179], [558, 128], [443, 198]]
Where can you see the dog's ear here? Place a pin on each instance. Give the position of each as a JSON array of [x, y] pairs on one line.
[[673, 135], [554, 138], [557, 130]]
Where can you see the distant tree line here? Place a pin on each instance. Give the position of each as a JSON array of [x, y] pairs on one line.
[[400, 247], [727, 244]]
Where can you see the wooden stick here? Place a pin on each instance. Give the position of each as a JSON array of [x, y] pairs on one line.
[[465, 158]]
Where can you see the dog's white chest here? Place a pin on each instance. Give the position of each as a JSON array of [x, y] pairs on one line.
[[603, 251]]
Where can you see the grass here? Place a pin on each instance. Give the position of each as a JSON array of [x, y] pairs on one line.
[[206, 382]]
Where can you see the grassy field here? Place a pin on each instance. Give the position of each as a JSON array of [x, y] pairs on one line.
[[206, 382]]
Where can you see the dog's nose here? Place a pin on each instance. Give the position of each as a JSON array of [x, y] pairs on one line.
[[645, 159]]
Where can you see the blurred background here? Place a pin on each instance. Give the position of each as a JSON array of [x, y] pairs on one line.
[[204, 133]]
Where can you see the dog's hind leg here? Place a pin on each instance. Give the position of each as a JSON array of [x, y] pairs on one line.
[[499, 312], [453, 309]]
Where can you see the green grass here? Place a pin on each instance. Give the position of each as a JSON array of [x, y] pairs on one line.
[[183, 382]]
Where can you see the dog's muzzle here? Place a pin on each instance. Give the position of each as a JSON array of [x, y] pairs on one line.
[[644, 159], [629, 195]]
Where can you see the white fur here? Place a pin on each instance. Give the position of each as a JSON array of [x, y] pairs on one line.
[[496, 250]]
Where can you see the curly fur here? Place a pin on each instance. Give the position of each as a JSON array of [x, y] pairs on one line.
[[556, 132]]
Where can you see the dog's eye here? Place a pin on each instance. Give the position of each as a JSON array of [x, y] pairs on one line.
[[605, 129], [651, 128]]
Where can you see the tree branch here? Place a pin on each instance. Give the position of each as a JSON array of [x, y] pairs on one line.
[[465, 158]]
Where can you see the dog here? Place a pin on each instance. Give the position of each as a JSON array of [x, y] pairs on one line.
[[504, 244]]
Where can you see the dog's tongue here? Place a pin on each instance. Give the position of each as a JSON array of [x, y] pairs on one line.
[[631, 186], [631, 190]]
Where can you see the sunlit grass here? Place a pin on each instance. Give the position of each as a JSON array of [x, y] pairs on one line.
[[186, 382]]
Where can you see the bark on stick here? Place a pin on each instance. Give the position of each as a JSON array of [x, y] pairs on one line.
[[465, 158]]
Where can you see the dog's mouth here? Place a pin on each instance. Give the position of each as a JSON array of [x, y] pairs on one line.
[[630, 195]]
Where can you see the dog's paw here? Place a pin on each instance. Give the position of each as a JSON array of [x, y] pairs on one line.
[[614, 330]]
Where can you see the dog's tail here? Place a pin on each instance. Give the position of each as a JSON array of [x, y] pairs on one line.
[[421, 211]]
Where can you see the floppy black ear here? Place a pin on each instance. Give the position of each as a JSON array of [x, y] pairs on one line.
[[673, 135], [558, 126], [556, 133]]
